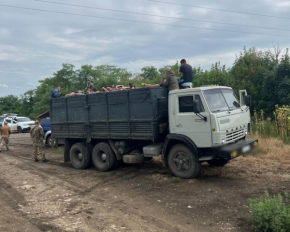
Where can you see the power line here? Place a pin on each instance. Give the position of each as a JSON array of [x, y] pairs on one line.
[[161, 16], [209, 8], [143, 22]]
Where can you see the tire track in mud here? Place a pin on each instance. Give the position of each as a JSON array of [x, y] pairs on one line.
[[125, 206], [15, 199]]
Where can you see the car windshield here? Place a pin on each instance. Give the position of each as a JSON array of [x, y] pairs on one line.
[[1, 119], [23, 119], [220, 100]]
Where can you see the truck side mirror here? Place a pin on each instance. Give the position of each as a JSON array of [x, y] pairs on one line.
[[196, 106], [248, 100]]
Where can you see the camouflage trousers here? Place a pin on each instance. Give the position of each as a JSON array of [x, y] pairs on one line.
[[4, 141], [38, 149]]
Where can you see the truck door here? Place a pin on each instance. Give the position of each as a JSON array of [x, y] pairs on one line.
[[190, 124]]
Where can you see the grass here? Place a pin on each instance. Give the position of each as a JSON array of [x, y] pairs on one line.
[[175, 179], [269, 162], [57, 151], [270, 213]]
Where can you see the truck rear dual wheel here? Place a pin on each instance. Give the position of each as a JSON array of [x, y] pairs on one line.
[[80, 156], [103, 157], [183, 162]]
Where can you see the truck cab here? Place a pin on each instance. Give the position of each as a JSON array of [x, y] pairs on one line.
[[211, 121]]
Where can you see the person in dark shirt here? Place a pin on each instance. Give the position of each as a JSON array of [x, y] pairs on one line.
[[186, 71], [55, 92]]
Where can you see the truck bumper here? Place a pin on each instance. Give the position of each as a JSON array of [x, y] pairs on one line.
[[234, 150]]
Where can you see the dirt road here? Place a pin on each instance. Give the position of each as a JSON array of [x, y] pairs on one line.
[[56, 197]]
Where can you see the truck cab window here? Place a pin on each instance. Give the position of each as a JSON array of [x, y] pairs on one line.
[[186, 103]]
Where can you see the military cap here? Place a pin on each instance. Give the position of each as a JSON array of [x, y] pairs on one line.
[[36, 121], [168, 69], [5, 123]]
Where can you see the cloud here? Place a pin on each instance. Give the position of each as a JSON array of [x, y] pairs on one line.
[[3, 85], [31, 84], [29, 54], [283, 4]]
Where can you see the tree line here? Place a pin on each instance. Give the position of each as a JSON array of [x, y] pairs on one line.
[[264, 74]]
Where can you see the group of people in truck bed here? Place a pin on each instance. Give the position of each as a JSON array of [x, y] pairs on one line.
[[170, 81]]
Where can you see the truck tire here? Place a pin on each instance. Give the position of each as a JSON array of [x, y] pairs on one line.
[[103, 157], [183, 162], [217, 162], [19, 129], [80, 156], [51, 142]]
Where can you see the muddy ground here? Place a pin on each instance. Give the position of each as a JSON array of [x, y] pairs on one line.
[[56, 197]]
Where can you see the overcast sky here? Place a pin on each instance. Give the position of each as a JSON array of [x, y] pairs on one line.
[[35, 44]]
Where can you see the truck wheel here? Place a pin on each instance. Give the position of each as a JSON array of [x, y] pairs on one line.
[[80, 156], [103, 157], [183, 162], [19, 130], [51, 142], [217, 162]]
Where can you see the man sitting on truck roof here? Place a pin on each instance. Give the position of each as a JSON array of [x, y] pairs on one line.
[[186, 71], [169, 81]]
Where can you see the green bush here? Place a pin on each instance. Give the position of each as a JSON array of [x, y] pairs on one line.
[[270, 214], [175, 179]]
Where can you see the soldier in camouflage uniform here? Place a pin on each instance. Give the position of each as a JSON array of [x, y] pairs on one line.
[[37, 138]]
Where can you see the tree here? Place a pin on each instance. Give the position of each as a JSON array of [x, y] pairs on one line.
[[26, 103], [150, 73], [9, 104]]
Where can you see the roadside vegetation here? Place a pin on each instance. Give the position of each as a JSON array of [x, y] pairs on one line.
[[277, 126], [270, 213]]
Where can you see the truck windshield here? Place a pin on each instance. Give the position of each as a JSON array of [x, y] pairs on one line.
[[220, 100]]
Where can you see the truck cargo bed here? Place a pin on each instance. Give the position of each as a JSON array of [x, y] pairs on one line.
[[128, 114]]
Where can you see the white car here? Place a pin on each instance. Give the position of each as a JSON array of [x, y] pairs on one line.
[[11, 123], [24, 124]]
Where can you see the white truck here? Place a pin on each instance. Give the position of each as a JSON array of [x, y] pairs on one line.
[[185, 127]]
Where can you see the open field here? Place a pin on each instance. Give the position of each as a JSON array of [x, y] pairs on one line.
[[57, 197]]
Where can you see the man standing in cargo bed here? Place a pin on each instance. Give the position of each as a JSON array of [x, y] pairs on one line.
[[89, 86], [169, 81]]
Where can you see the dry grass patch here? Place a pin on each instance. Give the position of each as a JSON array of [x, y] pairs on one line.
[[270, 161]]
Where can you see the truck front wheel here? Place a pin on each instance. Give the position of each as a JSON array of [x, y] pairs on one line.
[[79, 156], [103, 157], [183, 162]]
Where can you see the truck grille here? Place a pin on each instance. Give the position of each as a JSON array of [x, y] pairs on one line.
[[234, 135]]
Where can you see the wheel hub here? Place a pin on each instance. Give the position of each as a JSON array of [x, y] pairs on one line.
[[104, 156], [181, 161], [80, 156]]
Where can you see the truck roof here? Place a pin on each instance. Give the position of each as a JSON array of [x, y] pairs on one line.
[[199, 89]]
